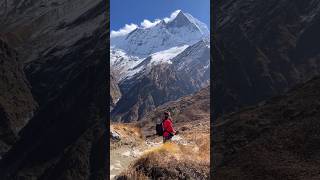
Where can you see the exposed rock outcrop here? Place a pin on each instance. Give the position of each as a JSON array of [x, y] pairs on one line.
[[17, 105]]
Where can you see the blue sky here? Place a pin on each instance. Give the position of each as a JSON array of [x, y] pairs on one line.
[[124, 12]]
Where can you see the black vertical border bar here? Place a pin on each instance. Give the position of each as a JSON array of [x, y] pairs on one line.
[[107, 134], [213, 29]]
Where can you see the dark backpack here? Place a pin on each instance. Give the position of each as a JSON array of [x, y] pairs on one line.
[[159, 129]]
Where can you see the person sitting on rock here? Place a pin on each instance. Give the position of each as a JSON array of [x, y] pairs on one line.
[[168, 130]]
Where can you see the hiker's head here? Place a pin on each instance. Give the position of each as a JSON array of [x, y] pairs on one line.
[[166, 114]]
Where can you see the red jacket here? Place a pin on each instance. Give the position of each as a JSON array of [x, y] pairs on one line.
[[167, 127]]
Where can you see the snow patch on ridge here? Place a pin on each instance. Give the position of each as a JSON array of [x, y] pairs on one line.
[[166, 55], [127, 66], [122, 63]]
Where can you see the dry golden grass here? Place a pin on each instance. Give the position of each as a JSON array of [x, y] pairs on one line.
[[173, 161], [127, 129], [202, 141], [131, 175], [130, 134]]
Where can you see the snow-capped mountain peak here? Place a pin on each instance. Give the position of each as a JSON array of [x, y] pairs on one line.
[[202, 27], [180, 20], [162, 23], [182, 30], [144, 47]]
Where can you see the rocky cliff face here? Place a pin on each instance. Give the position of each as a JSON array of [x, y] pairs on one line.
[[265, 48], [115, 93], [276, 139], [63, 46], [17, 105]]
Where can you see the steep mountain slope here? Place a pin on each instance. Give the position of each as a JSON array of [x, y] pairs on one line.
[[115, 93], [193, 64], [277, 139], [185, 110], [38, 27], [157, 84], [63, 45], [272, 44], [17, 105], [122, 65]]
